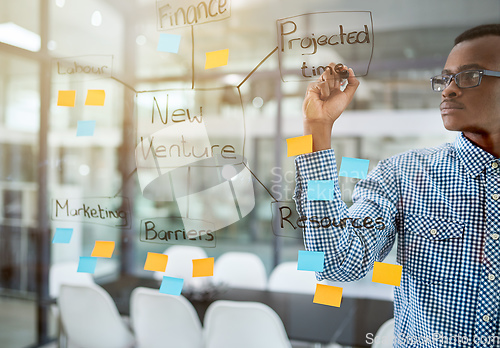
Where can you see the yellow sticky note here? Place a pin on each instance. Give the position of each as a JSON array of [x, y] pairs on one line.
[[203, 267], [299, 145], [156, 262], [66, 98], [103, 249], [95, 97], [215, 59], [387, 273], [328, 295]]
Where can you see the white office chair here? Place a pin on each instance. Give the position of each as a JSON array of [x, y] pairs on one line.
[[230, 324], [385, 335], [180, 265], [240, 270], [90, 318], [161, 320], [286, 278], [64, 273]]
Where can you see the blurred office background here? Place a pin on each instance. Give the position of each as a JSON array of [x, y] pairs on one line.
[[394, 110]]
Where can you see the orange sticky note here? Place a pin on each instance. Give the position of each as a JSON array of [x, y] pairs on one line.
[[103, 249], [203, 267], [299, 145], [95, 97], [66, 98], [156, 262], [387, 273], [215, 59], [328, 295]]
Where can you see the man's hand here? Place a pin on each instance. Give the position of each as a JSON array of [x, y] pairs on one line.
[[324, 103]]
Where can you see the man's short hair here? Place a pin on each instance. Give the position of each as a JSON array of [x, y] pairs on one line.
[[479, 31]]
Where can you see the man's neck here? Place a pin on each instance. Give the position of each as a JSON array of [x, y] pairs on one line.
[[489, 142]]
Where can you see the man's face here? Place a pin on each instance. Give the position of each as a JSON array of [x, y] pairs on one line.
[[477, 109]]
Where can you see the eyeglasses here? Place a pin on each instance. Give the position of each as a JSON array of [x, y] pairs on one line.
[[463, 79]]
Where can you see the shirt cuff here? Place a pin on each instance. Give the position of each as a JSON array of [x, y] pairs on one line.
[[319, 165]]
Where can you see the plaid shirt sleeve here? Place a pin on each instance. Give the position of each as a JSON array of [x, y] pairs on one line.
[[369, 231]]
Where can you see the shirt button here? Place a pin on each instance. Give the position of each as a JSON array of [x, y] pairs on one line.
[[434, 231], [486, 317], [495, 196], [495, 236], [491, 276], [494, 165]]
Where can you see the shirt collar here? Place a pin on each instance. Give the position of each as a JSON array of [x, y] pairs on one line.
[[473, 158]]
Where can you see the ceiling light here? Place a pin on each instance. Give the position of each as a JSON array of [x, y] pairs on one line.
[[84, 170], [141, 40], [51, 45], [232, 79], [15, 35], [96, 19], [258, 102]]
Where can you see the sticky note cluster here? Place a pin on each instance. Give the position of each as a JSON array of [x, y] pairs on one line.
[[95, 97], [324, 294], [171, 285], [101, 249]]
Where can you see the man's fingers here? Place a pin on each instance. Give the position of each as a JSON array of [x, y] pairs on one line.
[[329, 75], [352, 84], [330, 82], [321, 89], [325, 90]]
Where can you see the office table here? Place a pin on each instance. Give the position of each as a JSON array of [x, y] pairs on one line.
[[303, 320]]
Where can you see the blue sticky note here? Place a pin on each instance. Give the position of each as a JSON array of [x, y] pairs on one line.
[[354, 167], [169, 43], [320, 190], [171, 286], [87, 264], [85, 128], [311, 261], [62, 235]]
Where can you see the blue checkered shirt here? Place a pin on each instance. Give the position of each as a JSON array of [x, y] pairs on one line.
[[443, 204]]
